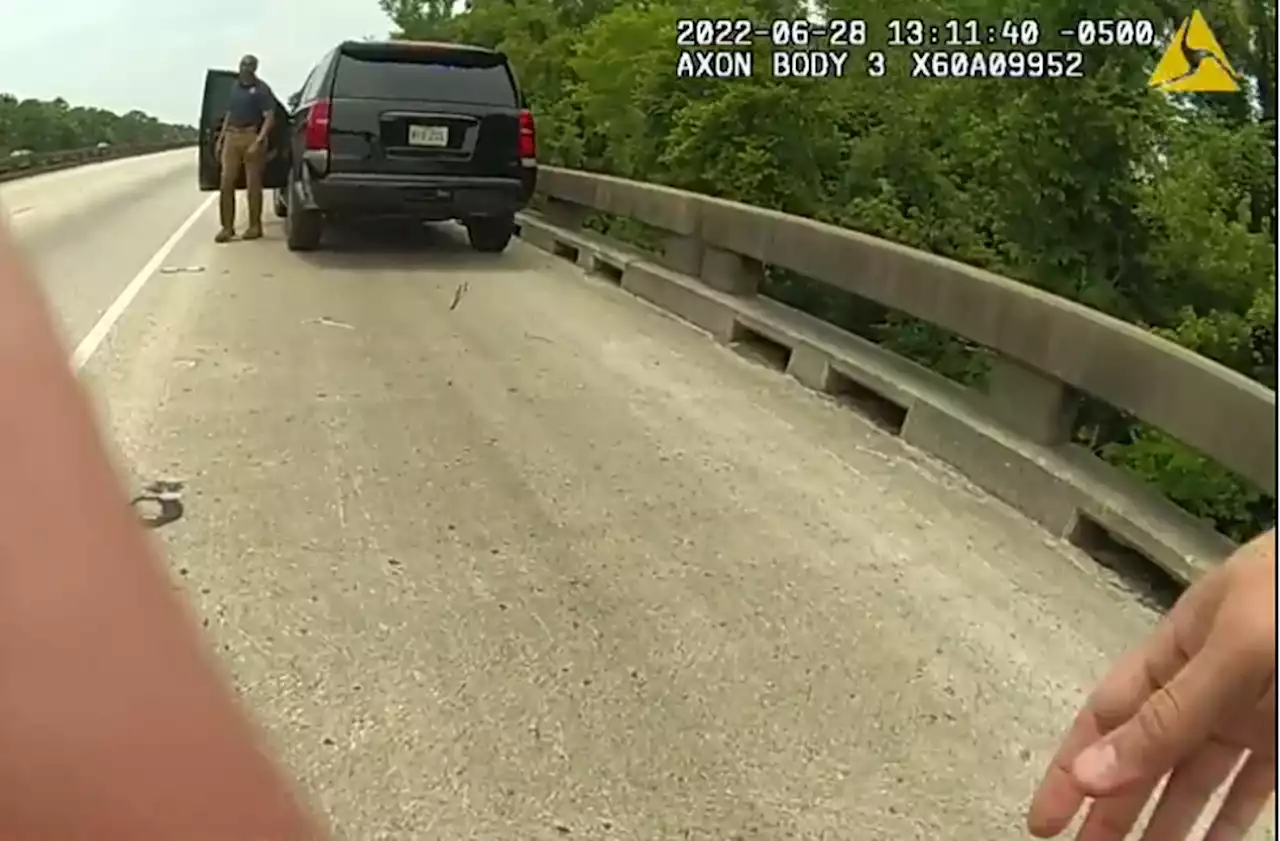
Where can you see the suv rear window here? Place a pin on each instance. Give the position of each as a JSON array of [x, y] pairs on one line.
[[479, 78]]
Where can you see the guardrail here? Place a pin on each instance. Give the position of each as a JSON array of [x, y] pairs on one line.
[[1014, 438], [35, 164]]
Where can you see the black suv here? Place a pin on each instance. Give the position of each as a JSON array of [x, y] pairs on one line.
[[397, 129]]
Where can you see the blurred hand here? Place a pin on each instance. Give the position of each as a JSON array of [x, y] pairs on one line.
[[1193, 701], [115, 721]]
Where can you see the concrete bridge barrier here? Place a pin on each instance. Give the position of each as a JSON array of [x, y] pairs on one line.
[[1013, 438], [21, 167]]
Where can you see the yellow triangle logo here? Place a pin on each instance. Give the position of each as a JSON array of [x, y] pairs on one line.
[[1194, 62]]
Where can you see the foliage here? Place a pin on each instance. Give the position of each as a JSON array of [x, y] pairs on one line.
[[55, 126], [1160, 210]]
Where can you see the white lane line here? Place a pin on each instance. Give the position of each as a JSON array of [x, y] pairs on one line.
[[94, 338]]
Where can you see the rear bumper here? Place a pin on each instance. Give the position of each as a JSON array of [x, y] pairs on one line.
[[428, 197]]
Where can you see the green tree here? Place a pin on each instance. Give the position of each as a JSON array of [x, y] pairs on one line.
[[55, 126]]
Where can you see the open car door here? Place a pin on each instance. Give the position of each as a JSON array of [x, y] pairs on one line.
[[217, 98]]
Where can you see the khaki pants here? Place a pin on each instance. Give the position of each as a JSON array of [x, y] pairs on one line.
[[235, 155]]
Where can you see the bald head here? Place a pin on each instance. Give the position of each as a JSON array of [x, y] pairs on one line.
[[248, 67]]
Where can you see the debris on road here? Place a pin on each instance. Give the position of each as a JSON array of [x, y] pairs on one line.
[[159, 503], [462, 289], [326, 321]]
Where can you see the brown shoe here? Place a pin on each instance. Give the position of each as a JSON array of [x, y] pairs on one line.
[[225, 236], [253, 233]]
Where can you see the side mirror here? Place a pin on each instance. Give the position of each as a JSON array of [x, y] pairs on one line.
[[293, 100]]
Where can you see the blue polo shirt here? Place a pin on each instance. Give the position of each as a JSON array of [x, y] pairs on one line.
[[249, 104]]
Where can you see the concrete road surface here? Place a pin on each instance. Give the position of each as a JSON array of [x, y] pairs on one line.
[[495, 551]]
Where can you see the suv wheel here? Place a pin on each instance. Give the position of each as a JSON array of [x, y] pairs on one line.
[[490, 234], [278, 205], [303, 228]]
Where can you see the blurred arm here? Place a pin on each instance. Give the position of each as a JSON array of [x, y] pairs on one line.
[[114, 723]]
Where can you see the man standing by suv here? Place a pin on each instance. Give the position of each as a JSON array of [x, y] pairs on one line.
[[243, 145]]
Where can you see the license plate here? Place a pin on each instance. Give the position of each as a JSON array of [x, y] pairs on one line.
[[428, 135]]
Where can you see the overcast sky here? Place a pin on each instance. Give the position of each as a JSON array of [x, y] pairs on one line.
[[152, 54]]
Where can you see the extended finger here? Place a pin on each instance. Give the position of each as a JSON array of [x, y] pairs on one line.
[[1188, 791], [1112, 818], [1247, 797], [1058, 797], [1175, 719], [1120, 694]]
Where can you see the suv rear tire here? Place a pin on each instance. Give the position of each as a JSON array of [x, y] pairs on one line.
[[490, 234], [303, 228]]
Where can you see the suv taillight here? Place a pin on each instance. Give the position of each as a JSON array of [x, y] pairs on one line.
[[528, 137], [317, 130]]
